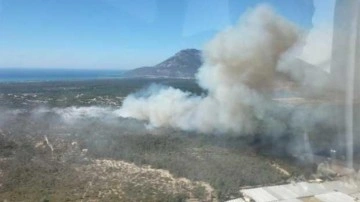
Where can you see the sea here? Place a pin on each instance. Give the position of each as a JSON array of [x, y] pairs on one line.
[[39, 75]]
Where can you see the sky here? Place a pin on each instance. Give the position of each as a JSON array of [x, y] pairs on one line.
[[120, 34]]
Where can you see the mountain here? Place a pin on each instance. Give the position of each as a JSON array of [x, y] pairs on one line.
[[183, 64]]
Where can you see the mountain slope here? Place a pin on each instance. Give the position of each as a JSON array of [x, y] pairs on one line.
[[183, 64]]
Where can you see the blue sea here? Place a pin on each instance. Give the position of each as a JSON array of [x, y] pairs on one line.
[[37, 75]]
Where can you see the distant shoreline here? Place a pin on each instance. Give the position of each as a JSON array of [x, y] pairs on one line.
[[39, 80], [16, 75]]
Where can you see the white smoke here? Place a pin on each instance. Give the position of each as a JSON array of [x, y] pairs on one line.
[[238, 73], [72, 115]]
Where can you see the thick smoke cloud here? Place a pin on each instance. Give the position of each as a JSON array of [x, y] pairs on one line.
[[238, 74]]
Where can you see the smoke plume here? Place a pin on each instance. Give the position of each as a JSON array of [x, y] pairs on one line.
[[238, 75]]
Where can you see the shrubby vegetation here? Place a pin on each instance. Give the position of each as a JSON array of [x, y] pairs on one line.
[[30, 168], [80, 93]]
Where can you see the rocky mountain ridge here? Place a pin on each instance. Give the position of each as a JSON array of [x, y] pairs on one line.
[[183, 64]]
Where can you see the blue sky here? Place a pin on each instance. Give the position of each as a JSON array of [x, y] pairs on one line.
[[118, 34]]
